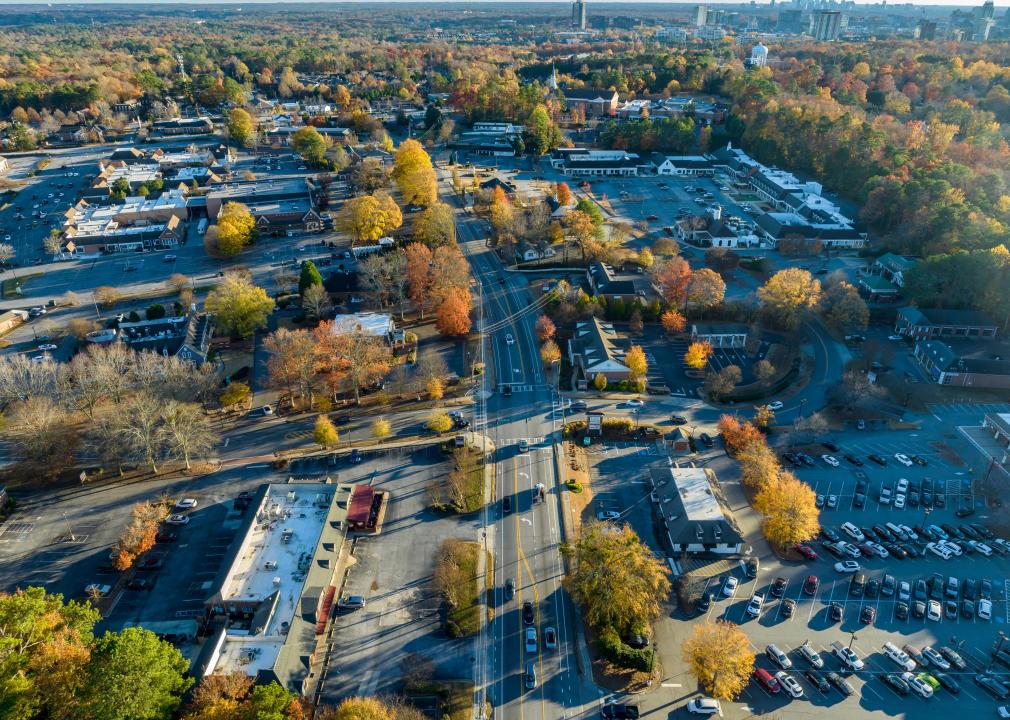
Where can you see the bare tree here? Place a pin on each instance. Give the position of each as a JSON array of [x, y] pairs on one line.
[[141, 429], [40, 432], [316, 302], [373, 274], [187, 430], [293, 362]]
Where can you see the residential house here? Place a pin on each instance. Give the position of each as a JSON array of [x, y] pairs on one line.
[[963, 364], [80, 134], [527, 253], [591, 103], [372, 324], [691, 513], [605, 281], [721, 335], [930, 323], [886, 276], [494, 183], [186, 337], [709, 230], [594, 349]]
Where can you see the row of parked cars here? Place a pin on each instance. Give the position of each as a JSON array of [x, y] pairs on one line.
[[919, 671], [944, 540]]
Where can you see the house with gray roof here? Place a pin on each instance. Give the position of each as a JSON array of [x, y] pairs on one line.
[[931, 323], [595, 348], [690, 514]]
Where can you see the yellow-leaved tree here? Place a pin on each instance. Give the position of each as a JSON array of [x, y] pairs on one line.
[[235, 229], [720, 657], [790, 510]]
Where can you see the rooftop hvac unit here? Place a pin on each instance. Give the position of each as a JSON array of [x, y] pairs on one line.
[[292, 496], [270, 565]]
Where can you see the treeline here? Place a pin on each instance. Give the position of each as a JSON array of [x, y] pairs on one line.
[[673, 135]]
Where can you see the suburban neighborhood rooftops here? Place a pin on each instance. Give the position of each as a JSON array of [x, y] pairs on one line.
[[366, 323], [940, 316]]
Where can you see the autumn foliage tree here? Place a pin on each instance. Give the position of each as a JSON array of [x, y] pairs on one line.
[[550, 353], [673, 322], [758, 465], [369, 217], [353, 360], [453, 313], [637, 363], [545, 328], [697, 354], [787, 294], [789, 509], [721, 657], [235, 229], [419, 277], [414, 174], [737, 435], [672, 277]]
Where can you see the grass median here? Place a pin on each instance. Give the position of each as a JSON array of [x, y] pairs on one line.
[[457, 582]]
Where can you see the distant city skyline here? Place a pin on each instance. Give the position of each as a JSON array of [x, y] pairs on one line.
[[559, 3]]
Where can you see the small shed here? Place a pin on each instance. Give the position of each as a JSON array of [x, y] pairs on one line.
[[678, 440]]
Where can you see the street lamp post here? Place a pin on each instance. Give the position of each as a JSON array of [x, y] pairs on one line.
[[925, 515], [853, 639]]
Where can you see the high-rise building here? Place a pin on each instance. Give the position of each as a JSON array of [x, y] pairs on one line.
[[925, 30], [701, 16], [988, 10], [790, 21], [825, 25], [579, 14]]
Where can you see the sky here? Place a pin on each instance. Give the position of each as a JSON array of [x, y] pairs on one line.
[[679, 5]]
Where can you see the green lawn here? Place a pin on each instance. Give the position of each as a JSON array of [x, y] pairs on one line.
[[10, 284]]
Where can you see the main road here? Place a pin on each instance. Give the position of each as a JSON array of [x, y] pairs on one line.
[[526, 537]]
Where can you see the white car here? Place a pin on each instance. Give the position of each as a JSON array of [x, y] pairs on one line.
[[550, 638], [97, 589], [704, 706], [935, 658], [754, 606], [177, 520], [729, 586], [853, 532], [904, 591], [849, 549], [912, 534], [186, 504], [903, 459], [938, 550], [847, 656], [789, 683], [899, 501], [811, 656], [952, 547], [635, 402], [509, 339], [608, 515], [266, 410], [48, 347], [833, 462], [531, 639], [933, 611], [921, 687], [849, 566], [984, 611], [776, 405], [895, 337], [898, 656], [980, 547], [877, 548], [902, 486]]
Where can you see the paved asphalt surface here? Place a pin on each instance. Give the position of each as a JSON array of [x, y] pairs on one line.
[[525, 539]]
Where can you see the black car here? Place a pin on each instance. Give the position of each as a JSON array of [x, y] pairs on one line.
[[817, 680], [918, 460], [909, 549], [835, 612], [913, 498], [506, 504], [985, 590], [953, 657], [704, 603], [619, 711], [510, 588], [707, 440], [788, 607], [939, 499], [993, 686], [528, 615], [983, 531], [878, 459], [862, 486], [843, 685], [751, 567], [166, 536], [948, 682], [896, 683], [830, 445], [969, 589], [778, 588], [950, 609], [580, 405], [859, 500], [342, 419], [873, 588], [901, 611], [971, 532], [870, 535], [954, 532], [853, 459], [807, 460], [868, 614], [965, 510], [830, 534], [1002, 657], [967, 609], [140, 584], [920, 592], [883, 532], [936, 586]]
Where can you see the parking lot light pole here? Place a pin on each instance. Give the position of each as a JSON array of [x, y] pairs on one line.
[[852, 639], [925, 515]]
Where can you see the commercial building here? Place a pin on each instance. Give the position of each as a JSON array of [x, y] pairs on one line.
[[183, 126], [579, 14], [257, 192], [135, 224], [284, 217], [186, 337], [690, 514], [580, 162], [594, 349], [372, 324], [935, 323], [628, 286], [963, 364], [886, 276], [687, 166], [270, 603], [4, 165]]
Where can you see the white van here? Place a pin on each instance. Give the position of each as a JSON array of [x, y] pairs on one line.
[[778, 657]]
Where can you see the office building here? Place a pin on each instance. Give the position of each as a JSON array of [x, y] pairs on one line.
[[825, 25], [579, 14], [701, 16]]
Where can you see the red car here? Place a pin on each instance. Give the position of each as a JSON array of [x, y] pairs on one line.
[[811, 585], [767, 681], [806, 551]]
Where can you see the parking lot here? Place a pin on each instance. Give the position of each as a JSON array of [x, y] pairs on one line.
[[393, 572]]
